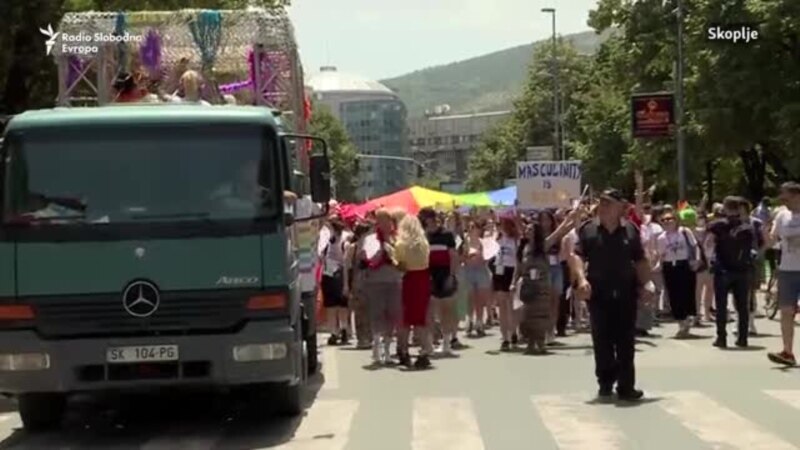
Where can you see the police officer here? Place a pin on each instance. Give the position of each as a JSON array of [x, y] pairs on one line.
[[618, 276]]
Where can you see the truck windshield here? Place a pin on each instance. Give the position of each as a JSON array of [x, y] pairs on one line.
[[112, 175]]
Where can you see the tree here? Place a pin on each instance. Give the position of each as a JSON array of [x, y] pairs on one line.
[[742, 100], [342, 152], [532, 121]]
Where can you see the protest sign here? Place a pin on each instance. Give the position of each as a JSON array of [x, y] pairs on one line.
[[548, 184]]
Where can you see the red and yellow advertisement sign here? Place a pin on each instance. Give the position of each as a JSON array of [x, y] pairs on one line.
[[653, 115]]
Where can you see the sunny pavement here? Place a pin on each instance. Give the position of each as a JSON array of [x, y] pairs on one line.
[[699, 397]]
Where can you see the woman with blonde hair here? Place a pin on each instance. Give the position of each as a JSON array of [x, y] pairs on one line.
[[190, 92], [412, 252]]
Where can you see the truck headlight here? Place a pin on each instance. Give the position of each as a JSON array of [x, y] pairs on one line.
[[259, 352], [24, 361]]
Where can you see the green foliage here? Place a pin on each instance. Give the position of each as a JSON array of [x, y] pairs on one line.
[[342, 152], [486, 83], [742, 101], [532, 122]]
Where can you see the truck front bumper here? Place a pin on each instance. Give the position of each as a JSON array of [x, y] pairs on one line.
[[79, 365]]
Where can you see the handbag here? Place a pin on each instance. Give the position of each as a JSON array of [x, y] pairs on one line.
[[693, 249]]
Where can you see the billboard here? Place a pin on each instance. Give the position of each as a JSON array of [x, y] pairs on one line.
[[653, 115]]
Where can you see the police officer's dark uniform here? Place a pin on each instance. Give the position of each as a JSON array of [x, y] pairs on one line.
[[611, 258]]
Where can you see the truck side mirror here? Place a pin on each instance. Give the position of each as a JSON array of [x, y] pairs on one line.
[[320, 169]]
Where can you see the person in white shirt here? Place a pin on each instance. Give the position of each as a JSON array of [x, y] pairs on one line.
[[786, 228], [678, 256], [503, 268]]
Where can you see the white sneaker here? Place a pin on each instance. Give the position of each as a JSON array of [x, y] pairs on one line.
[[446, 350], [386, 355], [753, 325], [376, 351]]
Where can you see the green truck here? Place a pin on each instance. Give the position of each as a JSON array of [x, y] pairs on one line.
[[151, 247]]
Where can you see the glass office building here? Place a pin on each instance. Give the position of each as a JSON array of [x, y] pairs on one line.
[[375, 119]]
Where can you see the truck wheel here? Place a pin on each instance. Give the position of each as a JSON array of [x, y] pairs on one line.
[[290, 400], [42, 411], [313, 358]]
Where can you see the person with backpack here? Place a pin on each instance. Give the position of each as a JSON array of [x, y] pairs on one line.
[[734, 242], [333, 285], [678, 256], [617, 278]]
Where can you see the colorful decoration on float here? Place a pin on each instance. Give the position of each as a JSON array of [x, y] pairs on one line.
[[207, 33], [150, 53]]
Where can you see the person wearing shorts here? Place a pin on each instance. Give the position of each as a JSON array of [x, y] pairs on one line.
[[332, 285], [443, 266], [505, 264], [786, 228], [477, 278]]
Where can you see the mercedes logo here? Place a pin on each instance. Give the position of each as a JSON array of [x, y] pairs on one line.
[[140, 299]]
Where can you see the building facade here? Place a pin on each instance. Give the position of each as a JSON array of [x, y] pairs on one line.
[[375, 119], [444, 143]]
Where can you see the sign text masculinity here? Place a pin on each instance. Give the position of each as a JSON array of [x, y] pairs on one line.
[[548, 184]]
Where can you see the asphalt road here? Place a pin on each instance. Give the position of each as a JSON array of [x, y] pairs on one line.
[[698, 397]]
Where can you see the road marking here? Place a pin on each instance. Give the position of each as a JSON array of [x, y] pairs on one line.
[[575, 424], [445, 423], [9, 416], [717, 425], [330, 368], [789, 397], [326, 426]]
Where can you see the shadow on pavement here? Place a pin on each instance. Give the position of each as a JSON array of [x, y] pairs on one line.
[[752, 348], [131, 421], [693, 337]]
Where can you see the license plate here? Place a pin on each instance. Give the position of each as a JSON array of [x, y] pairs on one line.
[[142, 353]]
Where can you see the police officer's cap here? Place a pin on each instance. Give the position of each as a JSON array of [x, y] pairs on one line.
[[614, 195]]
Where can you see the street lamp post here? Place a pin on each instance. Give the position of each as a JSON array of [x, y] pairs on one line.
[[680, 138], [557, 147]]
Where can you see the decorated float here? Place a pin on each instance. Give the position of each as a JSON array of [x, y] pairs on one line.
[[248, 55]]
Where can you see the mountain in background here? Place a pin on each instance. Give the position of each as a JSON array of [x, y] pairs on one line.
[[485, 83]]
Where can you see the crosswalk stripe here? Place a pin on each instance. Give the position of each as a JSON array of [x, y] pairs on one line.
[[790, 397], [330, 368], [577, 425], [445, 423], [717, 425], [326, 426]]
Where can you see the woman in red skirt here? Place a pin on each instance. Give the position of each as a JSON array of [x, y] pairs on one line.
[[412, 252]]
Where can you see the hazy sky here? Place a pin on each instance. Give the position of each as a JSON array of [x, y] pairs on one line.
[[384, 38]]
